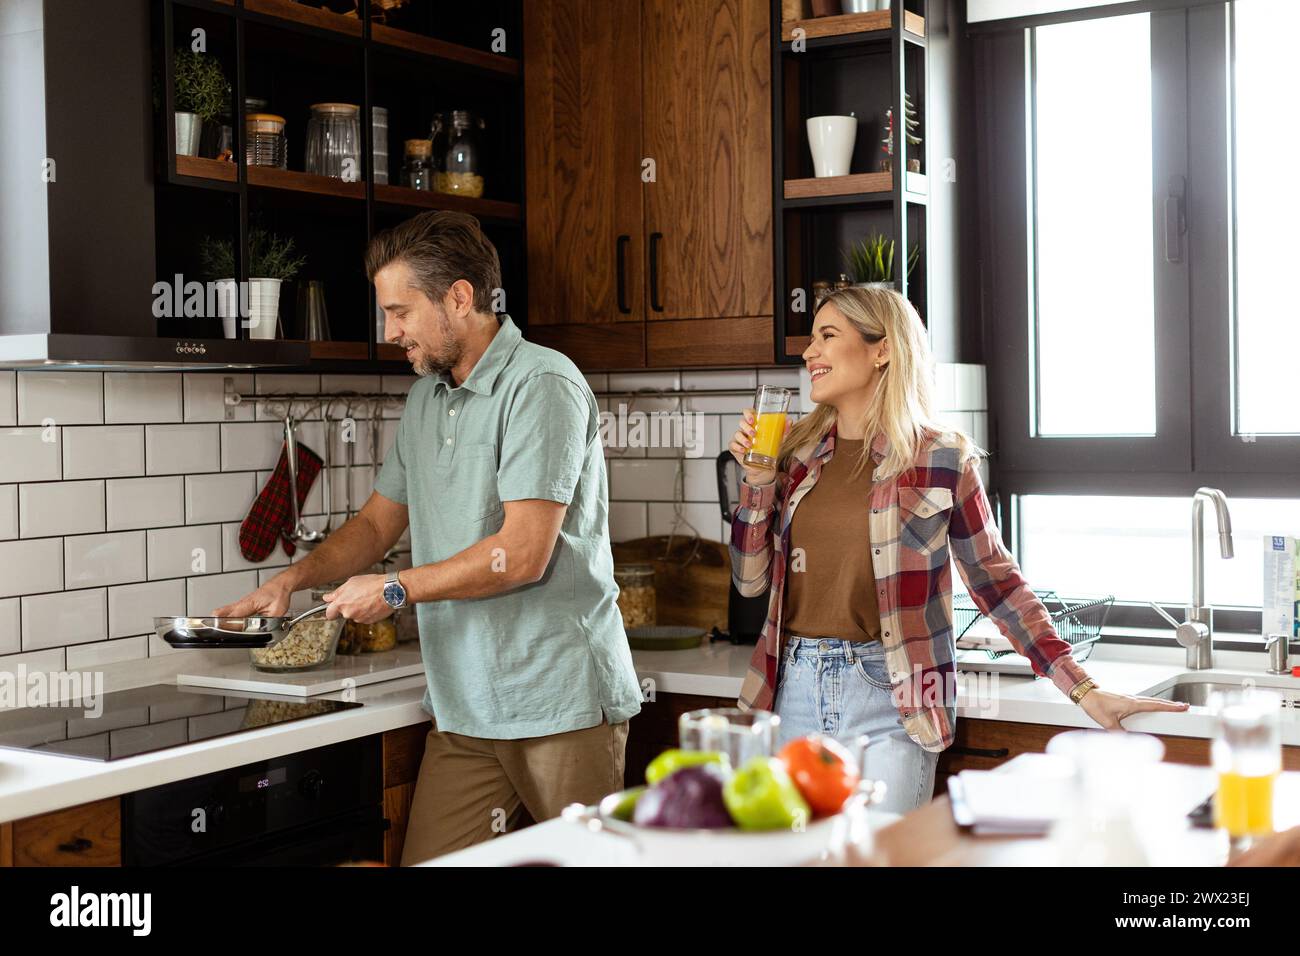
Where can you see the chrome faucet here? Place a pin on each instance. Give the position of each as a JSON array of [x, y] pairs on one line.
[[1196, 633]]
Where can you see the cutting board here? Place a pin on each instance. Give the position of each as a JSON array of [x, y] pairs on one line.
[[690, 592]]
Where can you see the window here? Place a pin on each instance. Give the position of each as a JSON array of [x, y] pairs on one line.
[[1136, 271], [1267, 326], [1093, 229]]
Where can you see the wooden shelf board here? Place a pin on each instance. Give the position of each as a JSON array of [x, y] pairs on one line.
[[390, 353], [442, 50], [305, 15], [855, 186], [426, 199], [847, 24], [795, 344], [202, 168], [295, 181]]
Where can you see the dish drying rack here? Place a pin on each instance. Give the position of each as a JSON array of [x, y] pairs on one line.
[[1078, 621]]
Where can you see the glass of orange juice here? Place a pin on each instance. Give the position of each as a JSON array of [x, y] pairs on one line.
[[1247, 756], [771, 404]]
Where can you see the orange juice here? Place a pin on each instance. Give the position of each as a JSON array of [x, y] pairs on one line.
[[1243, 804], [768, 432]]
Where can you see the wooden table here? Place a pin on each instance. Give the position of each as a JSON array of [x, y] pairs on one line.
[[929, 837]]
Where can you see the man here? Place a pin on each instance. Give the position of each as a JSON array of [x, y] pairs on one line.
[[499, 471]]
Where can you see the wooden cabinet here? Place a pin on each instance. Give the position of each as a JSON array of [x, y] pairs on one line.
[[654, 729], [403, 751], [85, 835], [648, 171]]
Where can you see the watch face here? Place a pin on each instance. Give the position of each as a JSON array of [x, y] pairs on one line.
[[394, 594]]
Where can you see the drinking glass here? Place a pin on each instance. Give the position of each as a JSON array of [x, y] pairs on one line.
[[771, 404], [740, 734], [1247, 756]]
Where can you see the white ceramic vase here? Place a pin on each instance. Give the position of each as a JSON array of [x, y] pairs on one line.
[[831, 140]]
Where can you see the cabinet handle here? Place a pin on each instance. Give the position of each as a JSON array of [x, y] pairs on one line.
[[981, 751], [621, 252], [654, 271], [78, 845]]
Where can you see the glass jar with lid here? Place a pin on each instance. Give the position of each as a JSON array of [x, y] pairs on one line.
[[264, 142], [334, 141], [636, 594], [417, 169], [460, 168]]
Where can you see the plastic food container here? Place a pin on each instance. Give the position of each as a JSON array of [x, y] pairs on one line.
[[636, 594]]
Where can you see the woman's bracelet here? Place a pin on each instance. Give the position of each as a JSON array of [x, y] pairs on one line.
[[1080, 690]]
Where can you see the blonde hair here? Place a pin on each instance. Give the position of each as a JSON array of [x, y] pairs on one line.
[[901, 406]]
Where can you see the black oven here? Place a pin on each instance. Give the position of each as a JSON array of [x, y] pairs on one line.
[[315, 808]]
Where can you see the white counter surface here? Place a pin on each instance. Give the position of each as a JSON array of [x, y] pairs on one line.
[[33, 783]]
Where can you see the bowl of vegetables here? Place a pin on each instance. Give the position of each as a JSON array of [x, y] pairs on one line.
[[800, 807]]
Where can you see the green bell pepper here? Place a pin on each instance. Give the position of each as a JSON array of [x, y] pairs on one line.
[[761, 796]]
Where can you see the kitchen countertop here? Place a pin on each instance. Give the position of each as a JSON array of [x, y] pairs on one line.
[[33, 783]]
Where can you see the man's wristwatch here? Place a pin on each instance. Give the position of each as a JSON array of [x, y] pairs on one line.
[[1081, 689], [394, 593]]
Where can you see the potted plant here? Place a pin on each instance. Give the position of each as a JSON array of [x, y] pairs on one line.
[[202, 94], [871, 261], [270, 262]]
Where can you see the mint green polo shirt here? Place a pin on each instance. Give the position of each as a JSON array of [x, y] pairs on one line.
[[547, 657]]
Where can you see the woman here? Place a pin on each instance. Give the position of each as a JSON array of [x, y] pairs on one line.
[[853, 531]]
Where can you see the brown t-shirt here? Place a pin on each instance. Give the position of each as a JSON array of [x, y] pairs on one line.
[[834, 595]]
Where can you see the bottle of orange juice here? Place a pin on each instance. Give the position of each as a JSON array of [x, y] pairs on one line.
[[771, 405]]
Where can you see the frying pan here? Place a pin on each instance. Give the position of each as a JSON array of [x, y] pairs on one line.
[[213, 632]]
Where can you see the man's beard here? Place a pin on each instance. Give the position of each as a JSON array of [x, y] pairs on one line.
[[449, 352]]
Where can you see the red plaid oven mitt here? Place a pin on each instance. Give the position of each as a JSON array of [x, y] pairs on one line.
[[271, 517]]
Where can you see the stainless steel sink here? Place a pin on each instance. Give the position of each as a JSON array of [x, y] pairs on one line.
[[1195, 689]]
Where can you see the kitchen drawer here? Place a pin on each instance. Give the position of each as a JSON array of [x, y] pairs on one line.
[[403, 751], [86, 835]]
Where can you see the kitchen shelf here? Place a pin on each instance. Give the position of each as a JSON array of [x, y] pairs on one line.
[[297, 13], [852, 28], [854, 188], [442, 50], [427, 199], [201, 168], [292, 180], [795, 344]]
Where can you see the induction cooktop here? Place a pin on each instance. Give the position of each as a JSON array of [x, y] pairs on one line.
[[142, 720]]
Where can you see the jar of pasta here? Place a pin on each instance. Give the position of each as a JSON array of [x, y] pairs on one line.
[[636, 594]]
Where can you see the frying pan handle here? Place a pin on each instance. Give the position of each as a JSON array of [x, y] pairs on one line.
[[724, 491]]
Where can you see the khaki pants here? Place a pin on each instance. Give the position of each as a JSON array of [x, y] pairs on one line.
[[471, 789]]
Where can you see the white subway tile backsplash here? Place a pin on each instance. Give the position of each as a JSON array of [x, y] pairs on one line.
[[205, 397], [30, 454], [251, 446], [350, 383], [8, 399], [132, 607], [66, 398], [60, 507], [232, 558], [104, 451], [945, 387], [8, 512], [144, 502], [786, 377], [962, 420], [70, 617], [88, 656], [597, 381], [627, 520], [181, 552], [96, 560], [182, 449], [650, 479], [47, 661], [980, 429], [10, 621], [701, 480], [706, 518], [220, 497], [138, 397], [205, 595], [31, 567], [972, 395], [281, 383], [645, 385], [396, 385]]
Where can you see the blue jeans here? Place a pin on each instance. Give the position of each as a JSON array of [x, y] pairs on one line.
[[840, 689]]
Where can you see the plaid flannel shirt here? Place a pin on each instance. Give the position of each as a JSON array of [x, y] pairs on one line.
[[918, 520]]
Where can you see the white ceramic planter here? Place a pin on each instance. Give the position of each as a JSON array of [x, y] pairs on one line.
[[263, 307], [189, 130], [831, 140]]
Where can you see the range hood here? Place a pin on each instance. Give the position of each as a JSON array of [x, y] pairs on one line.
[[79, 248], [90, 352]]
